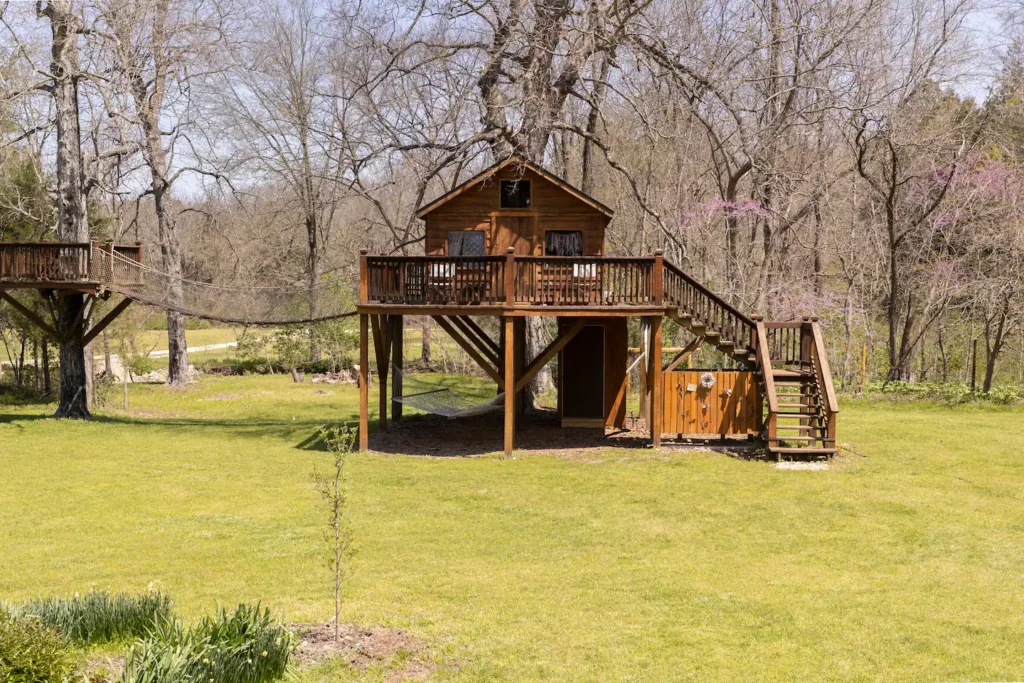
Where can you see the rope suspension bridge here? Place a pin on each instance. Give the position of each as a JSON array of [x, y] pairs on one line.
[[101, 270], [238, 302]]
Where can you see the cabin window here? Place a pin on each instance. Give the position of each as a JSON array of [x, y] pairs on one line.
[[515, 194], [563, 243], [466, 243]]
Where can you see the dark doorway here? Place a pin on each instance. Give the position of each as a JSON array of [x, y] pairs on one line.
[[583, 376]]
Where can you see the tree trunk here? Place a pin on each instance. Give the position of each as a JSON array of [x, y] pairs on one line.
[[72, 223], [536, 340], [995, 334], [425, 342], [74, 401]]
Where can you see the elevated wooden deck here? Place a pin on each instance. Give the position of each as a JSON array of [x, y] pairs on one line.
[[86, 266]]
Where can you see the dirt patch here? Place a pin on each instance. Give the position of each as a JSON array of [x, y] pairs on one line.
[[103, 669], [539, 434], [363, 648]]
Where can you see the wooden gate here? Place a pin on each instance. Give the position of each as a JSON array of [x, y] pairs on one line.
[[730, 406]]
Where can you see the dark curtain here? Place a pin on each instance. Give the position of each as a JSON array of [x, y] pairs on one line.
[[466, 243], [563, 243]]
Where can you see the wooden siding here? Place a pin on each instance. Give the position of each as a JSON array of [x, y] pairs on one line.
[[551, 208], [730, 407]]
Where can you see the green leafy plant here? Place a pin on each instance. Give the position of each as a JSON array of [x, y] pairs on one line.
[[99, 616], [243, 646], [30, 652], [333, 490]]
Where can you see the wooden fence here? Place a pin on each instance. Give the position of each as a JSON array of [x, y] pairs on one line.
[[730, 406]]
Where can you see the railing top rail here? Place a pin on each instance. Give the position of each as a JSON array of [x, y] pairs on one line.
[[784, 325], [607, 259], [823, 367], [708, 293], [403, 258], [82, 245], [765, 359]]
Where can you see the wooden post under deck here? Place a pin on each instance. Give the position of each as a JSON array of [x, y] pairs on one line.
[[364, 380], [654, 383], [510, 383], [397, 337]]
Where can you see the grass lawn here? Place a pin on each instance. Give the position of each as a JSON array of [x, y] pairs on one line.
[[904, 563]]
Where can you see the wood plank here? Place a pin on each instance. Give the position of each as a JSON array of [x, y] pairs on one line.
[[510, 373], [107, 319], [655, 382], [364, 377], [494, 346], [471, 350], [684, 353], [471, 335], [31, 316], [397, 338]]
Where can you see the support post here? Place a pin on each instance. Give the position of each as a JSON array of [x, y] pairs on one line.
[[645, 348], [510, 384], [364, 379], [655, 383], [397, 337]]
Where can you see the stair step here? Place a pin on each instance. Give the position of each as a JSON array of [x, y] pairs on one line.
[[796, 438], [799, 428], [790, 374]]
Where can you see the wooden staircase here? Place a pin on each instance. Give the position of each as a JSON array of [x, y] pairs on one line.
[[800, 405], [800, 402]]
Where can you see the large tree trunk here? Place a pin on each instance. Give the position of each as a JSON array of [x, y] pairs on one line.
[[74, 400], [995, 335], [72, 223], [536, 340]]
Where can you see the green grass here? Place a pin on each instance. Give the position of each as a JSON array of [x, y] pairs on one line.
[[900, 564]]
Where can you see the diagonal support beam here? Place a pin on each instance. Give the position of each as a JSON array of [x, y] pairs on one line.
[[472, 334], [547, 354], [107, 319], [495, 346], [470, 349], [31, 316], [682, 355]]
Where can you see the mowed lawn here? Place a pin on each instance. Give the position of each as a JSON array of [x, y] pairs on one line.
[[904, 562]]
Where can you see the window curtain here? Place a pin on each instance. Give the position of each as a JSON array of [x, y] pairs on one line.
[[563, 243], [466, 243]]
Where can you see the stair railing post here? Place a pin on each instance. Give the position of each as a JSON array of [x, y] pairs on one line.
[[510, 278], [765, 361], [657, 278], [363, 282]]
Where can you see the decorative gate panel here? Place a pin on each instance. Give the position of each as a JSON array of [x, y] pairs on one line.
[[711, 402]]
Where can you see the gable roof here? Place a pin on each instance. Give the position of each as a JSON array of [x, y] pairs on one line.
[[509, 161]]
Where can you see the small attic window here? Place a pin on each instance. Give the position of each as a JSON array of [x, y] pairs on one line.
[[515, 194]]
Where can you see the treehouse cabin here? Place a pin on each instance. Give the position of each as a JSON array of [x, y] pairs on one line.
[[516, 241], [93, 269]]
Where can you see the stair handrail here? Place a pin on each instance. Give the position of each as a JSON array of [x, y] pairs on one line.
[[764, 360], [719, 301], [824, 378]]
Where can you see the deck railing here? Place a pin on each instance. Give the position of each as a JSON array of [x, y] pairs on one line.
[[509, 280], [36, 262], [435, 280], [584, 281], [703, 305], [42, 263]]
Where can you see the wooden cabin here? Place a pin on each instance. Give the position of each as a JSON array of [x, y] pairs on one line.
[[515, 205], [516, 241]]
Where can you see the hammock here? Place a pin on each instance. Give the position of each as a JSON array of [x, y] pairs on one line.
[[447, 403]]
